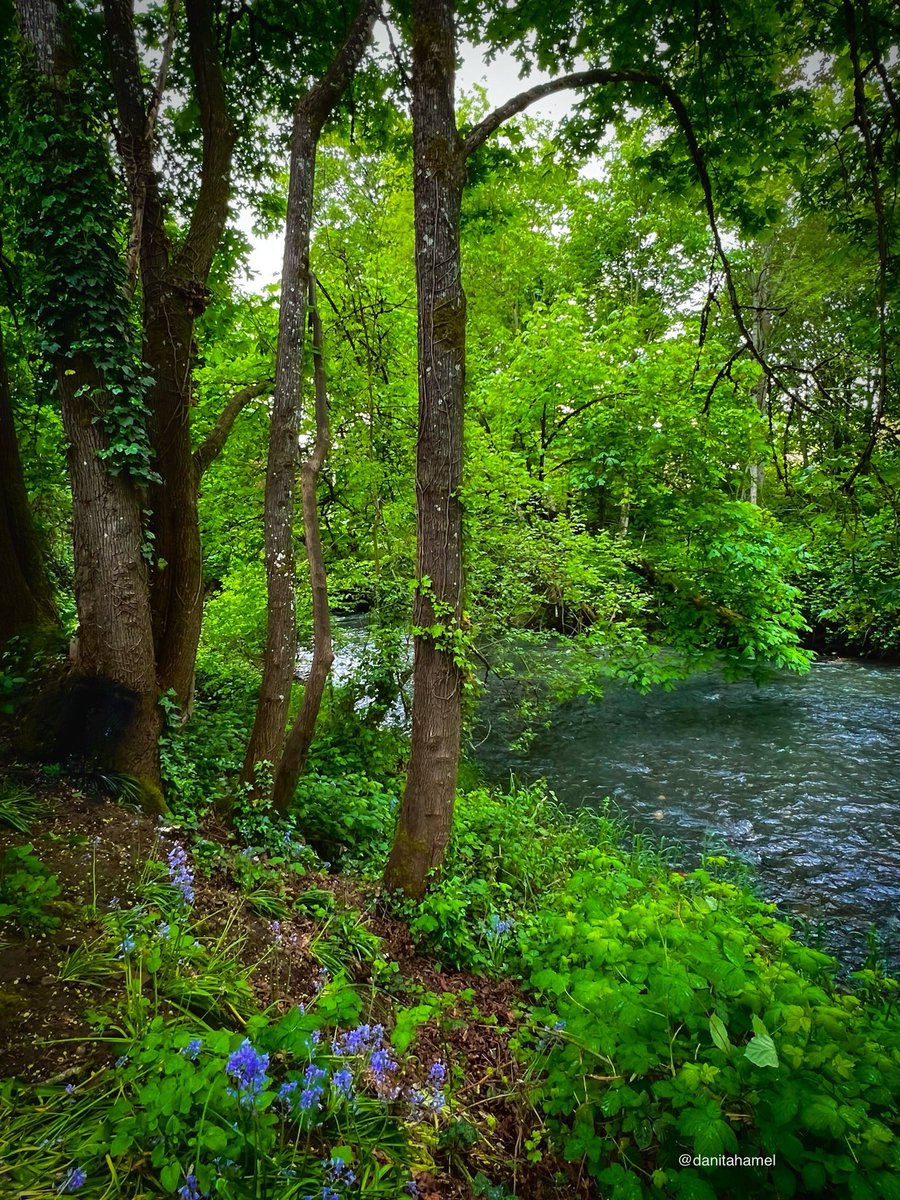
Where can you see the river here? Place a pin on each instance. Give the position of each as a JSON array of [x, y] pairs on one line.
[[798, 777]]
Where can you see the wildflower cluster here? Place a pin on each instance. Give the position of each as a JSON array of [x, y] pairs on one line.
[[180, 873], [430, 1098], [248, 1069], [498, 927]]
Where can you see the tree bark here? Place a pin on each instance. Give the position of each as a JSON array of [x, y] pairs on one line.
[[174, 294], [115, 633], [26, 598], [312, 111], [426, 813], [299, 739]]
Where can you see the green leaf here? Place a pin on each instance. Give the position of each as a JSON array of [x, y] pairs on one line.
[[719, 1033]]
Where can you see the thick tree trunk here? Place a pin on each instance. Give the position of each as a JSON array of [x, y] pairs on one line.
[[174, 294], [299, 739], [313, 110], [26, 598], [115, 637], [426, 813]]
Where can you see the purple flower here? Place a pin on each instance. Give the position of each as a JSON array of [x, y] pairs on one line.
[[339, 1172], [559, 1026], [411, 1189], [381, 1063], [310, 1098], [190, 1189], [355, 1041], [75, 1179], [313, 1074], [287, 1090], [248, 1069], [276, 930], [322, 978], [342, 1082], [437, 1074], [121, 1061], [70, 1089], [126, 945], [498, 926], [436, 1101], [192, 1049], [180, 873]]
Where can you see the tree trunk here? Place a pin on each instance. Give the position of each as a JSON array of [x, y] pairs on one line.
[[174, 294], [312, 111], [761, 330], [426, 813], [115, 636], [26, 598], [299, 739]]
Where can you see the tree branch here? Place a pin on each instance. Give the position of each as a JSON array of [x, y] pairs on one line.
[[214, 442], [322, 98], [211, 209]]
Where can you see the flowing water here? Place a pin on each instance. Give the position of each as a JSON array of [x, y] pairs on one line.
[[800, 777]]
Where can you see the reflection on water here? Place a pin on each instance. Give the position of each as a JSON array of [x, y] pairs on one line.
[[799, 777]]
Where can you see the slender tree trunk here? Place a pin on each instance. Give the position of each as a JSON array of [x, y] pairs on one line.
[[761, 329], [312, 111], [299, 739], [426, 813], [26, 598]]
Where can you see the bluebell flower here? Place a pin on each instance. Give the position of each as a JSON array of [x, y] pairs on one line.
[[339, 1172], [192, 1049], [164, 930], [498, 926], [559, 1026], [75, 1179], [287, 1090], [190, 1189], [126, 945], [381, 1063], [121, 1061], [313, 1074], [437, 1074], [180, 873], [311, 1098], [342, 1082], [70, 1089], [436, 1101], [321, 979], [412, 1189], [248, 1069]]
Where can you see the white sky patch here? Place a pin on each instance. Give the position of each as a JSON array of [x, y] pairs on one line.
[[500, 79]]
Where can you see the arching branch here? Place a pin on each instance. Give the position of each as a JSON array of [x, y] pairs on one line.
[[214, 442]]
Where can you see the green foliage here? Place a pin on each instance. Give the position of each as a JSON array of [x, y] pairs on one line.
[[68, 222], [27, 890], [348, 819], [173, 1107], [18, 806]]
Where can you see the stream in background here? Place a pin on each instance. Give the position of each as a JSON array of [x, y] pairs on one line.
[[799, 777]]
